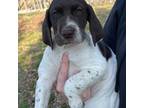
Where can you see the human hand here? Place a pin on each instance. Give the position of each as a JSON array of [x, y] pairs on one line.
[[63, 73], [63, 76]]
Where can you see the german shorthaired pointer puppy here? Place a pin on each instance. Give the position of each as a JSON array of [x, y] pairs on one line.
[[64, 31]]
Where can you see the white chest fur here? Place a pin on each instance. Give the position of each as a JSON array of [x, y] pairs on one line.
[[80, 56]]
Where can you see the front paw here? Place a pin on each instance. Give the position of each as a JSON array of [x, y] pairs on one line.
[[71, 92], [75, 101]]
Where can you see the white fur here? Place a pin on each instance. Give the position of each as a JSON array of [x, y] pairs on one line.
[[70, 22], [87, 58]]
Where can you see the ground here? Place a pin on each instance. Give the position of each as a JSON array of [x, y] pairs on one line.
[[30, 51]]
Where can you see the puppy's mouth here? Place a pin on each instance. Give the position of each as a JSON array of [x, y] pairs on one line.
[[69, 37], [68, 33], [64, 40]]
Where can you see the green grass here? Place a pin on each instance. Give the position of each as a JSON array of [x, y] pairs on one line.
[[23, 105], [30, 51]]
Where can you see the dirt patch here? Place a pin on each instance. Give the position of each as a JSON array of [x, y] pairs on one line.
[[30, 22]]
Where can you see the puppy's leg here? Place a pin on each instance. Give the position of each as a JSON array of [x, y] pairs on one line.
[[47, 76], [76, 84], [42, 93]]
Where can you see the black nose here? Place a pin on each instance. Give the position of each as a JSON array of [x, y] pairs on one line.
[[68, 32]]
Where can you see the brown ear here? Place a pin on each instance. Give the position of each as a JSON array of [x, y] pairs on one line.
[[46, 30], [95, 26]]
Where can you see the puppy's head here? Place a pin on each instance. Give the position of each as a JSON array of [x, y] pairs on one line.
[[68, 18]]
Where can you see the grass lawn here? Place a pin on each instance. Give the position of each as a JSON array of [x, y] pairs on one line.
[[30, 51]]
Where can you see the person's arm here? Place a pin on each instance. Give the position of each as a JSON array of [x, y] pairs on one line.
[[110, 29], [63, 76], [115, 36], [63, 73]]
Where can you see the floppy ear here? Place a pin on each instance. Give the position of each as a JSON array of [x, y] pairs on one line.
[[94, 25], [46, 30]]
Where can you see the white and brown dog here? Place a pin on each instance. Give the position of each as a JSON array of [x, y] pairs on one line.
[[96, 62]]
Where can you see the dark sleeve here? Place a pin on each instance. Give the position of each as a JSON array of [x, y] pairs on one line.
[[113, 23], [115, 38]]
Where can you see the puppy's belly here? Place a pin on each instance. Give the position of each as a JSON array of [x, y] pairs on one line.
[[73, 69]]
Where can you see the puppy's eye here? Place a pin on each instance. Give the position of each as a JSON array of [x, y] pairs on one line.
[[77, 11], [57, 12], [79, 8], [54, 12]]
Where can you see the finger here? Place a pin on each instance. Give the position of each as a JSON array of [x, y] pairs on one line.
[[65, 59], [86, 94], [64, 64], [63, 73], [62, 76]]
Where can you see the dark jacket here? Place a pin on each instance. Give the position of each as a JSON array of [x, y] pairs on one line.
[[115, 37]]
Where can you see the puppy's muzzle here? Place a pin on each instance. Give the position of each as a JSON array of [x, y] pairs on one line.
[[68, 32]]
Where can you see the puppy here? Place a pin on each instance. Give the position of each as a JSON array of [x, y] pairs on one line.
[[64, 31]]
